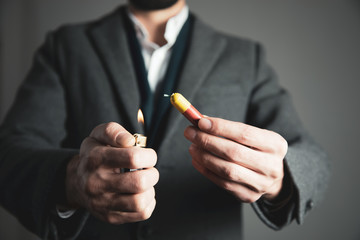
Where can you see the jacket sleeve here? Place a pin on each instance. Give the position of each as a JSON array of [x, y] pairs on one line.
[[306, 164], [33, 158]]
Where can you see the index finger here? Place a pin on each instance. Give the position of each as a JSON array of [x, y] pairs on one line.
[[113, 134], [245, 134], [132, 157]]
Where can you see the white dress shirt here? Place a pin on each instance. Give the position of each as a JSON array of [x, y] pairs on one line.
[[156, 58]]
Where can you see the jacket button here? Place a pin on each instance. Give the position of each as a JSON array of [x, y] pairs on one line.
[[309, 205]]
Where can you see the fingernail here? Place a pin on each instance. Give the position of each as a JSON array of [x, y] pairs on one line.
[[190, 133], [205, 124]]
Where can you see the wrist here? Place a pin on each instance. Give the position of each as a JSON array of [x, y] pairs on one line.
[[285, 194], [58, 193], [64, 212], [71, 184], [274, 192]]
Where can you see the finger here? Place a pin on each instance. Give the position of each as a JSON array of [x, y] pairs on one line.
[[131, 182], [124, 202], [132, 157], [243, 193], [113, 134], [248, 135], [118, 217], [90, 153], [230, 171], [229, 150]]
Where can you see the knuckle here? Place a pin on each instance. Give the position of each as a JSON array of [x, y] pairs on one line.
[[260, 188], [226, 185], [268, 185], [87, 141], [153, 155], [146, 214], [108, 198], [234, 153], [92, 152], [140, 204], [94, 156], [140, 184], [112, 219], [274, 174], [275, 169], [133, 156], [192, 150], [153, 193], [246, 134], [157, 178], [281, 145], [204, 140], [230, 173], [284, 147], [110, 130], [89, 187], [92, 186], [154, 178]]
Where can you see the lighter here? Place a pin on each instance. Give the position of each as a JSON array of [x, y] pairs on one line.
[[140, 140]]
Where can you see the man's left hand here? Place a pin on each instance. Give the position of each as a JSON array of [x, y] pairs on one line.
[[244, 160]]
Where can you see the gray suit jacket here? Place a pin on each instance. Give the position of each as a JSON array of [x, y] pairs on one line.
[[83, 76]]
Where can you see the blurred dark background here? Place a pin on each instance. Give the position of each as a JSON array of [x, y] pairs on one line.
[[313, 45]]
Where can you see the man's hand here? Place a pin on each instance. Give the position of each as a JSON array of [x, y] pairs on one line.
[[245, 160], [94, 182]]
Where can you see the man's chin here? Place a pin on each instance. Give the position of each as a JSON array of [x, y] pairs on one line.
[[148, 5]]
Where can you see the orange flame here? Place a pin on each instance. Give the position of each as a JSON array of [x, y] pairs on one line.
[[140, 117]]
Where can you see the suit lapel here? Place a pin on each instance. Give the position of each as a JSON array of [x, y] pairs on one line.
[[110, 41], [204, 52]]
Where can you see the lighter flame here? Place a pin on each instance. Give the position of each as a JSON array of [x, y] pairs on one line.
[[140, 117]]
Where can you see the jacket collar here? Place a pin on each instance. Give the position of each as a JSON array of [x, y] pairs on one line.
[[110, 41]]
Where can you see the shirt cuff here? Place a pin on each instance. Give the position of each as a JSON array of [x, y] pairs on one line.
[[64, 213]]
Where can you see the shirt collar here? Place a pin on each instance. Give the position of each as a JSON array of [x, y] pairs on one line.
[[172, 29]]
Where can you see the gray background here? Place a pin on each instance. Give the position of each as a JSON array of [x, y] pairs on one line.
[[313, 45]]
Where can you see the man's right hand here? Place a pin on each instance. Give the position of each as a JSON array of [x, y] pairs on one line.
[[94, 182]]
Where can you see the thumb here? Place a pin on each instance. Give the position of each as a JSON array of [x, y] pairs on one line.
[[113, 134]]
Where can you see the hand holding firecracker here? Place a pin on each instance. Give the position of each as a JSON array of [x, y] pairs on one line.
[[244, 160]]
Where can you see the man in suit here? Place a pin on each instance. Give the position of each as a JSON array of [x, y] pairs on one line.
[[70, 131]]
